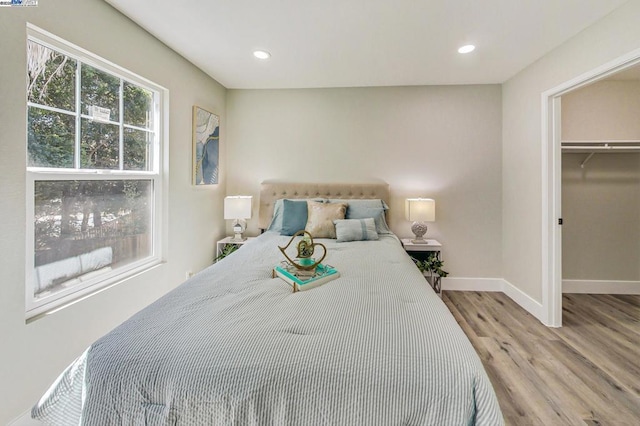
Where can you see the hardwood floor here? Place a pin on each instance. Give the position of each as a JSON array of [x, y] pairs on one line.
[[585, 373]]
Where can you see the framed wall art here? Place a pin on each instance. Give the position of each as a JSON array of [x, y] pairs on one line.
[[206, 147]]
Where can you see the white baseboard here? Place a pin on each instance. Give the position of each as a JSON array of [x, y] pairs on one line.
[[524, 300], [496, 284], [531, 305], [601, 287], [472, 284]]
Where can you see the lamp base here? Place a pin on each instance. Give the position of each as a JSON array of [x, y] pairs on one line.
[[237, 238], [420, 241], [239, 225], [419, 229]]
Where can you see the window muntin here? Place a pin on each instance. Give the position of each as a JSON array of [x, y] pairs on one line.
[[94, 172]]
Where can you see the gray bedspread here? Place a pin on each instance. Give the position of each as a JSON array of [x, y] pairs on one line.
[[233, 345]]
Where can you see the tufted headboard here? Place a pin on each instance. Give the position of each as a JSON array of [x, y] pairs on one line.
[[270, 191]]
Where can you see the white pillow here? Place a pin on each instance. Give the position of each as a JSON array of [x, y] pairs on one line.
[[356, 229]]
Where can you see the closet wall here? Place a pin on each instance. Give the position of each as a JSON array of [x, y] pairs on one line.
[[601, 201]]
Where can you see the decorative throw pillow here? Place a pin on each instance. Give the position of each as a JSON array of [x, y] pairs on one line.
[[320, 218], [294, 216], [357, 203], [356, 229], [278, 213], [361, 209], [378, 216]]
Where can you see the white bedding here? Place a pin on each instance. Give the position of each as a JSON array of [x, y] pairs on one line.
[[233, 345]]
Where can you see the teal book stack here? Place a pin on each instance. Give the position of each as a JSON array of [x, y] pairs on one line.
[[323, 274]]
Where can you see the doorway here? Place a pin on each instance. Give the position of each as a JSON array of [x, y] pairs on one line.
[[552, 181], [601, 186]]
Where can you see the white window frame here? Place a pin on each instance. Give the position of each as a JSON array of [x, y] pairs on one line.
[[157, 173]]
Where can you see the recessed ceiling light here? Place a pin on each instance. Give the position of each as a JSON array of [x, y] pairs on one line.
[[467, 48], [261, 54]]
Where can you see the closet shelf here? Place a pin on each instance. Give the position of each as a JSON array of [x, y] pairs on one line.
[[601, 141], [593, 147], [601, 145]]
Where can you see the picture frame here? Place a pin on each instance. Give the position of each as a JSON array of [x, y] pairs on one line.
[[206, 147]]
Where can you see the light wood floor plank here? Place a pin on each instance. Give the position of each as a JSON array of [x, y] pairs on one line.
[[625, 303], [602, 340], [527, 386], [585, 373]]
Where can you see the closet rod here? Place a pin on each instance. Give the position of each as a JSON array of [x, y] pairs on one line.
[[593, 149], [601, 141], [600, 148]]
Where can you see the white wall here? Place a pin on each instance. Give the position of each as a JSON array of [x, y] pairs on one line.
[[439, 141], [615, 35], [32, 355], [605, 110], [601, 201]]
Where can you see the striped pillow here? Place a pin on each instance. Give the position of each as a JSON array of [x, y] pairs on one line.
[[356, 229]]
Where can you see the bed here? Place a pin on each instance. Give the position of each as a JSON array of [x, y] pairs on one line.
[[233, 345]]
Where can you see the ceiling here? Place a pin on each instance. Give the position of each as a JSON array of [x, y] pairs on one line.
[[355, 43]]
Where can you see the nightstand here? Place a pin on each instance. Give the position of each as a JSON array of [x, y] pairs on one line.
[[229, 240], [421, 252]]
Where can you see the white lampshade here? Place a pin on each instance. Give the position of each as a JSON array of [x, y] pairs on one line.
[[237, 207], [420, 210]]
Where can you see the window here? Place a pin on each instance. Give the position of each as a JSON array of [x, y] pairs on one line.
[[94, 173]]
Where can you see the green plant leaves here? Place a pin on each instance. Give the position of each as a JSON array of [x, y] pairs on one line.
[[431, 264]]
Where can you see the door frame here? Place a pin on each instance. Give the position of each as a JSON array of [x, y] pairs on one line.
[[552, 182]]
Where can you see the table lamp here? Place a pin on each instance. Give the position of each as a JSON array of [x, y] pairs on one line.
[[419, 211], [238, 208]]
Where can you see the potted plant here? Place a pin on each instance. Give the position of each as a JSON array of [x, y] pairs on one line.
[[431, 265], [226, 251]]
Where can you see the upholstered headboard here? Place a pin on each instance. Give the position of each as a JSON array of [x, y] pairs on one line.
[[270, 191]]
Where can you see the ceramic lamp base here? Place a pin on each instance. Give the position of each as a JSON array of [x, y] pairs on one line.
[[419, 229], [239, 225], [238, 238]]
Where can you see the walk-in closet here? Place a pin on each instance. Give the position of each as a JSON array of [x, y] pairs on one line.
[[601, 186]]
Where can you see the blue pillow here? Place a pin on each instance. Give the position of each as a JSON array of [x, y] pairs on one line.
[[278, 211], [294, 216], [376, 213], [362, 209], [355, 230], [358, 203]]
